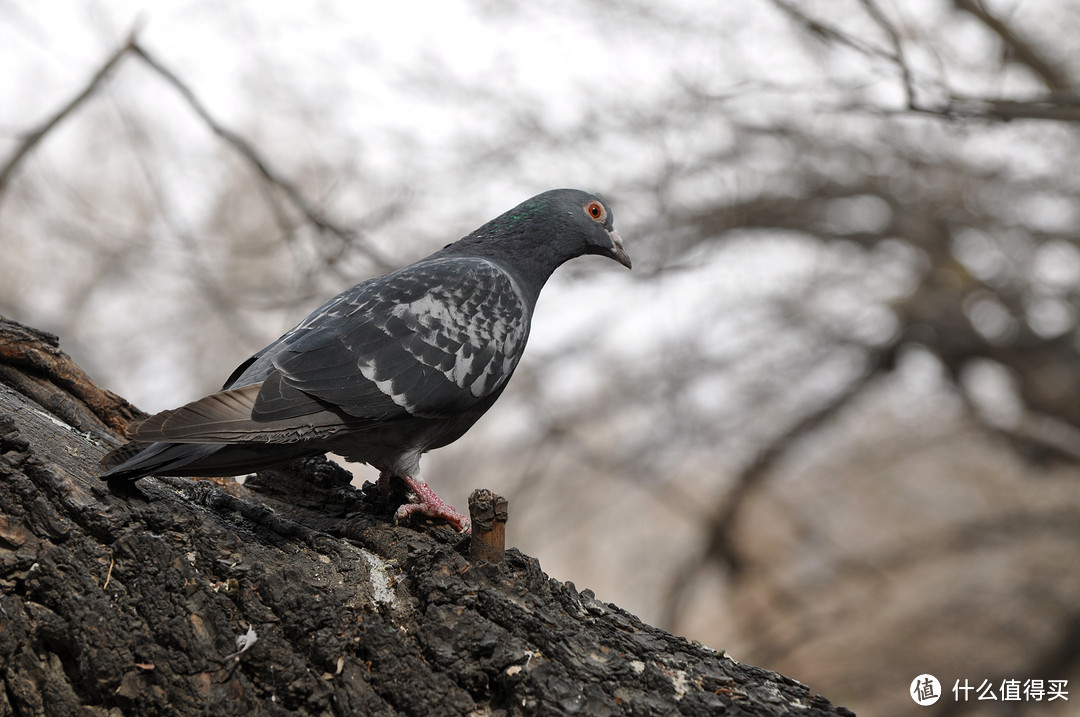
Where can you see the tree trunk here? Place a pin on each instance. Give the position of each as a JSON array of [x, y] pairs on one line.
[[291, 594]]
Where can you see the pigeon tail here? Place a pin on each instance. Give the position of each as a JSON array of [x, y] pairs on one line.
[[135, 460]]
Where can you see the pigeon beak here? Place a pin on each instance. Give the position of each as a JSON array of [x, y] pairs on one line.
[[617, 252]]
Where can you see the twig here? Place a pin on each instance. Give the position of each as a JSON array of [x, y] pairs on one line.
[[1020, 50], [721, 548], [34, 136], [251, 155], [828, 32], [108, 576], [898, 57], [1061, 105], [131, 45], [1056, 108]]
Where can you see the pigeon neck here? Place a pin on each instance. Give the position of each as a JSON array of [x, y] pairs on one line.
[[529, 261], [530, 264]]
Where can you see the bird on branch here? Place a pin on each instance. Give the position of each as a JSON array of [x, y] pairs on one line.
[[389, 369]]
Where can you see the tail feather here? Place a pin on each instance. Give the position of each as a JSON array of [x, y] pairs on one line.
[[137, 459], [223, 416], [216, 436], [119, 455]]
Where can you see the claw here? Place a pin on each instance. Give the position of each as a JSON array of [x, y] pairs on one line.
[[429, 504]]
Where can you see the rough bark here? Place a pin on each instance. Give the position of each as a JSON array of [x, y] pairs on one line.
[[292, 594]]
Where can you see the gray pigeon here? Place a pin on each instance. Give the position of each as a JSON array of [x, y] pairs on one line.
[[389, 369]]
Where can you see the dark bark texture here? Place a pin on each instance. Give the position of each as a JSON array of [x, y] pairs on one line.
[[291, 594]]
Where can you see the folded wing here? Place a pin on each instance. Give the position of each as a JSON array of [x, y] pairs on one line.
[[429, 341]]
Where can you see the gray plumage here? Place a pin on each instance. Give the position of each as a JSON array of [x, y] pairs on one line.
[[390, 368]]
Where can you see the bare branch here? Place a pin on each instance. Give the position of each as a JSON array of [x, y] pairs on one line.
[[251, 155], [131, 45], [720, 548], [1020, 50], [1055, 108], [829, 33], [1061, 105], [898, 57], [34, 136]]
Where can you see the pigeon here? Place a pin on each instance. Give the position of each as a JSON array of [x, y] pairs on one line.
[[389, 369]]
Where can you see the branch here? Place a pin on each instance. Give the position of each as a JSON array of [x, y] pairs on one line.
[[720, 547], [251, 155], [1020, 50], [34, 136], [295, 593], [1057, 108], [828, 33], [32, 363], [1060, 105], [898, 56], [131, 45]]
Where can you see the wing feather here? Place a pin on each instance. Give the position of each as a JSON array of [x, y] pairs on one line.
[[430, 341]]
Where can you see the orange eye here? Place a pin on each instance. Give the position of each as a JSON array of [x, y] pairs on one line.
[[596, 211]]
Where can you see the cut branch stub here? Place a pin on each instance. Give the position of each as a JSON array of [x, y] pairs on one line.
[[489, 513]]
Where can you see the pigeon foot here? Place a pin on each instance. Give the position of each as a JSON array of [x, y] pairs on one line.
[[431, 505]]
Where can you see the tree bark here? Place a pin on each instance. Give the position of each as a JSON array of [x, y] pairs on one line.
[[293, 593]]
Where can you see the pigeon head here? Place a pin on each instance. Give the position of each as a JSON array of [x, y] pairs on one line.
[[541, 233], [582, 223]]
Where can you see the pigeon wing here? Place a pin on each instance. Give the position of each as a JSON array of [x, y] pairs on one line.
[[430, 340]]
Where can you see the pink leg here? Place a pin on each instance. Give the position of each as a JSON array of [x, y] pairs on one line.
[[428, 503]]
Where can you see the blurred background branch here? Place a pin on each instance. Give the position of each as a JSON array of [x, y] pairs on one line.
[[33, 136]]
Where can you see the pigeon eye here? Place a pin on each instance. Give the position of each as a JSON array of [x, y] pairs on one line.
[[596, 211]]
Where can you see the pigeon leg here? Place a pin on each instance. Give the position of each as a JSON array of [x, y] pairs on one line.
[[384, 482], [431, 505]]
